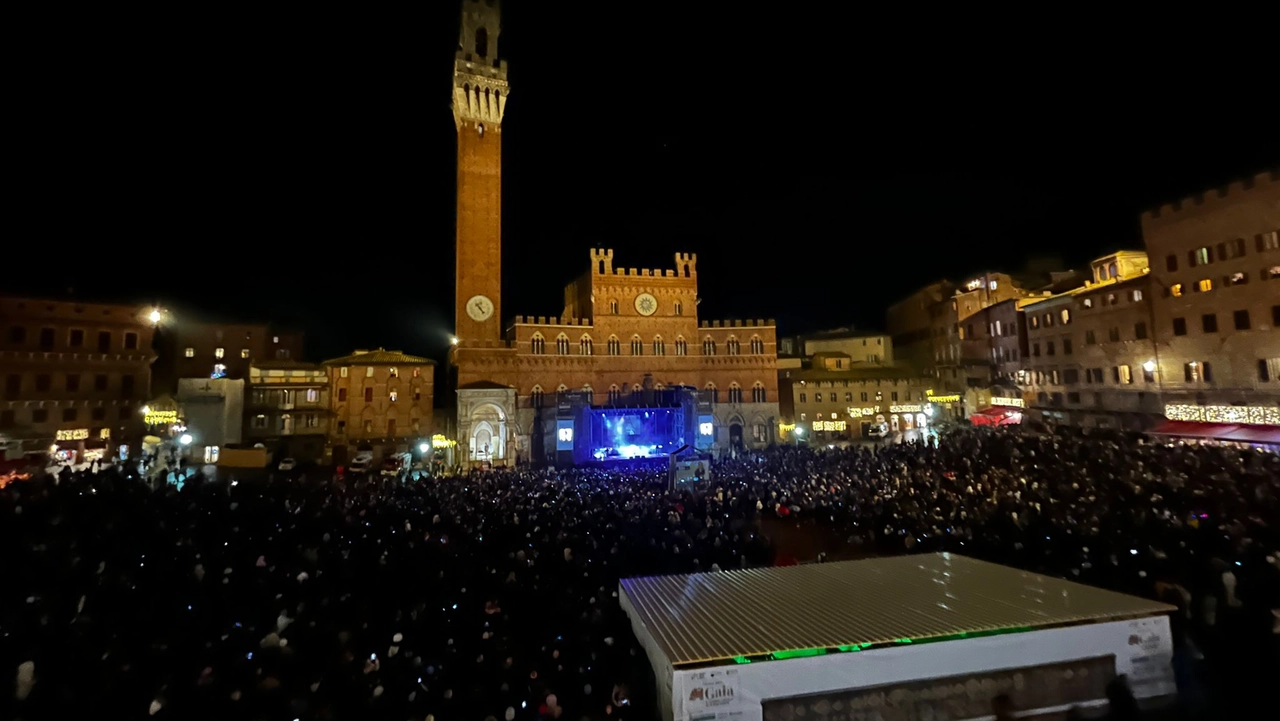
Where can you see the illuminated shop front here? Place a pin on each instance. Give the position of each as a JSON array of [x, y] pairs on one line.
[[1254, 426]]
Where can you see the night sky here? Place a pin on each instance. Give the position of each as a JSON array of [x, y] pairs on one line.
[[299, 168]]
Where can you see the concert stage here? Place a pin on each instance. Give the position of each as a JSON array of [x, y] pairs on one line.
[[619, 434], [647, 425]]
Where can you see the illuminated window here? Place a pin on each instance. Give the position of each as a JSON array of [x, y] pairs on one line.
[[992, 285], [757, 346], [1268, 369], [1035, 322], [538, 344], [342, 372], [395, 396], [1273, 272], [219, 371], [562, 344], [210, 454], [394, 372], [1200, 256], [682, 346], [535, 397], [615, 345], [879, 396], [313, 395], [368, 371], [1175, 290], [189, 352], [735, 393], [1111, 298], [1087, 302], [732, 346], [1235, 279], [637, 345], [1124, 375], [758, 393], [1268, 241], [584, 346], [613, 307], [1115, 272], [1136, 296], [678, 308], [659, 346], [1204, 285], [1066, 316], [1048, 320], [244, 352], [219, 352], [1195, 372], [708, 347]]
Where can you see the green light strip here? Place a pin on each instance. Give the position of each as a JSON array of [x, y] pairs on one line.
[[852, 648]]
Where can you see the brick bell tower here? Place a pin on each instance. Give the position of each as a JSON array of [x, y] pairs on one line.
[[479, 98]]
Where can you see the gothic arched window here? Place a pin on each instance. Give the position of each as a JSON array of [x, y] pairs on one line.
[[732, 346], [758, 393], [535, 397], [735, 393], [562, 344], [584, 345], [659, 346], [757, 345], [615, 393], [615, 345], [708, 347], [538, 344], [682, 346], [637, 345]]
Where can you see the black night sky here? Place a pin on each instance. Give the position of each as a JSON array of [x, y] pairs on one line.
[[822, 163]]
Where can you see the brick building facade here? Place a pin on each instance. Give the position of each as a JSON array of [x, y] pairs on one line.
[[381, 401], [75, 374], [1215, 267], [622, 330]]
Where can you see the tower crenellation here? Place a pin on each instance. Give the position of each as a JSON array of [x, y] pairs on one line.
[[480, 87]]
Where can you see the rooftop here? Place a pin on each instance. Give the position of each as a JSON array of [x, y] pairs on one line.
[[847, 606], [381, 356]]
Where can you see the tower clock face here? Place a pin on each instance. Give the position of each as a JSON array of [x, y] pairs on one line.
[[480, 308], [646, 304]]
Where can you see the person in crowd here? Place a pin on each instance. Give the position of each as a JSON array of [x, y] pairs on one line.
[[495, 594]]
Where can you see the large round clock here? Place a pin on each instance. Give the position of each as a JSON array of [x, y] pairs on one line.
[[479, 308], [646, 304]]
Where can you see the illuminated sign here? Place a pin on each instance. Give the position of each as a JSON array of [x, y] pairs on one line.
[[104, 434], [855, 412], [160, 418], [1253, 415], [439, 441], [953, 398], [564, 435], [706, 429], [829, 425], [974, 284], [79, 434], [909, 408], [786, 427], [1015, 402]]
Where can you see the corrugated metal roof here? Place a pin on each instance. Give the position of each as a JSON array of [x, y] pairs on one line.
[[705, 617]]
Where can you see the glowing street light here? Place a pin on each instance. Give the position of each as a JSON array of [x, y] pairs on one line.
[[423, 448], [185, 439], [453, 340], [154, 316], [1149, 366]]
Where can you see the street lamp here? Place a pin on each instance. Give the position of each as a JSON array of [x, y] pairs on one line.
[[1149, 366], [185, 439], [423, 448], [154, 316]]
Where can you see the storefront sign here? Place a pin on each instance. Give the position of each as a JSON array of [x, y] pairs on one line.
[[909, 408], [439, 441], [160, 418], [953, 398], [1253, 415], [836, 426], [864, 412], [1013, 402], [79, 434]]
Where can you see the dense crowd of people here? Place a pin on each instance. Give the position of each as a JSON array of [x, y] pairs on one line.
[[494, 595]]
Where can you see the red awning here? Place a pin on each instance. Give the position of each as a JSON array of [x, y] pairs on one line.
[[1189, 429], [996, 416], [1269, 435]]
